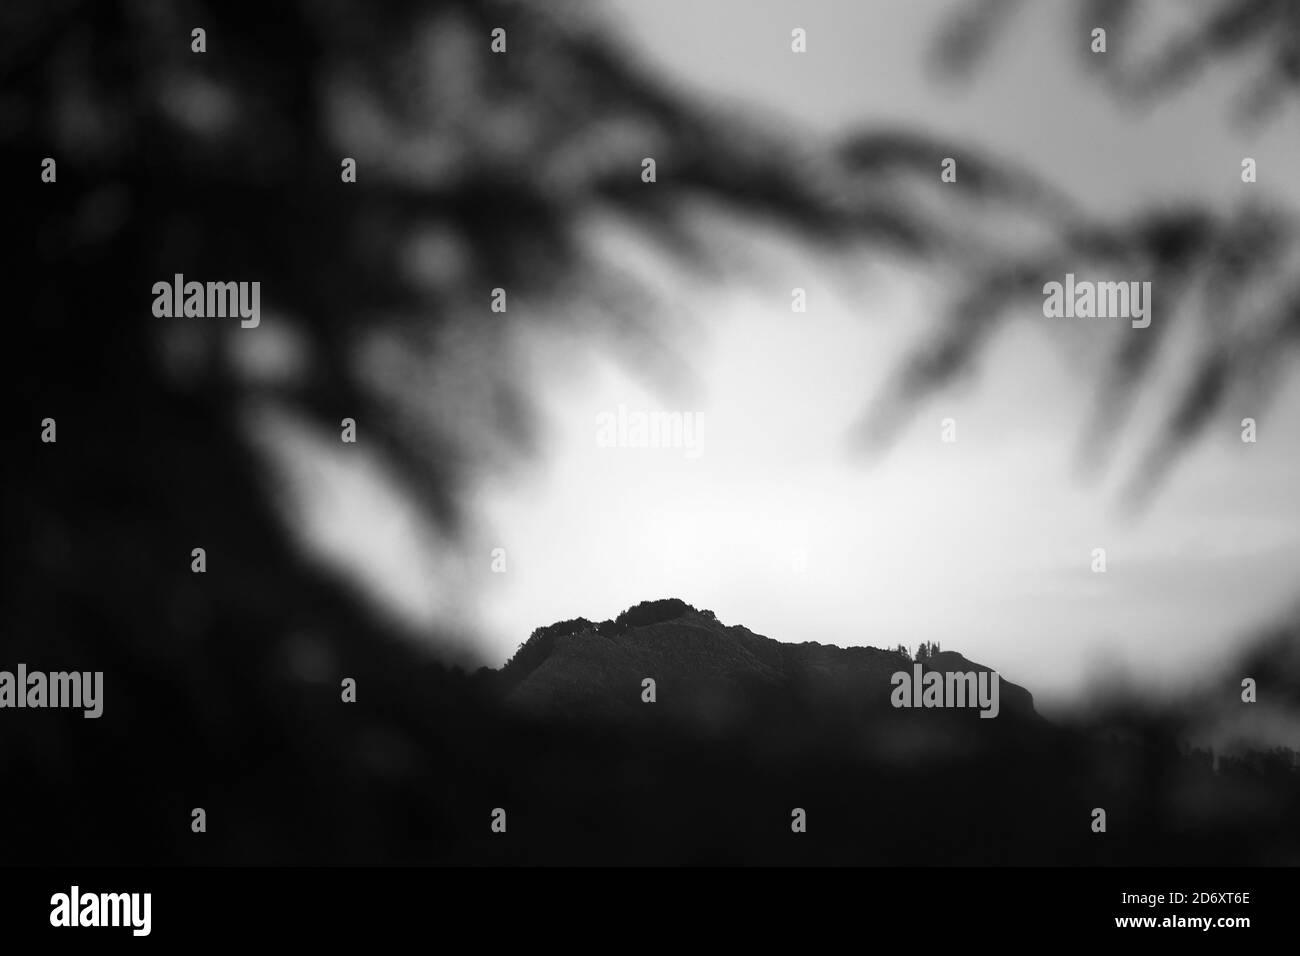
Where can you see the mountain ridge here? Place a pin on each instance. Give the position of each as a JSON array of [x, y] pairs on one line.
[[710, 674]]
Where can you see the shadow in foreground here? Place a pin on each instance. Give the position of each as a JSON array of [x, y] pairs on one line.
[[562, 750]]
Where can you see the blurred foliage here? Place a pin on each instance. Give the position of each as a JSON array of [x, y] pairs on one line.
[[475, 172], [1226, 277], [1264, 35]]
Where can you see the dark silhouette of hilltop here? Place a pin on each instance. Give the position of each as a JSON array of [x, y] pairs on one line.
[[713, 677], [744, 730]]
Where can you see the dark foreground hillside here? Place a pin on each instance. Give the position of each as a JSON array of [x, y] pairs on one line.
[[412, 772]]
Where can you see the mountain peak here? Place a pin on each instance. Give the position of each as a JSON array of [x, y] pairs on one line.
[[706, 673]]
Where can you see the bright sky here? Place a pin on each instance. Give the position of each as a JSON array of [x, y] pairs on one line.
[[983, 545]]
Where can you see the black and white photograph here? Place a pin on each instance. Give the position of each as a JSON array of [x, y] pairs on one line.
[[449, 439]]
